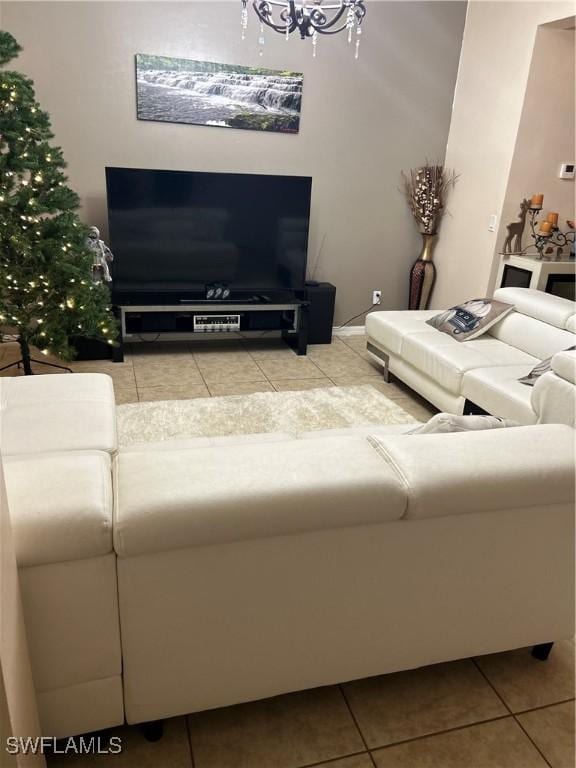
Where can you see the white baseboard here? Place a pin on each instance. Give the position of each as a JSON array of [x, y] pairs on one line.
[[348, 330]]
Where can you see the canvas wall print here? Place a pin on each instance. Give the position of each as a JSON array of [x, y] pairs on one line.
[[206, 93]]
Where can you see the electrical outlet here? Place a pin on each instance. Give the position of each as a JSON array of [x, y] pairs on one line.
[[376, 297]]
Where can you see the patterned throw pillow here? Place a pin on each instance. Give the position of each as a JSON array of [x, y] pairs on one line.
[[471, 319], [543, 367]]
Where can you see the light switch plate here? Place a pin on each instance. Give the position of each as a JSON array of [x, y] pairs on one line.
[[566, 171], [492, 221]]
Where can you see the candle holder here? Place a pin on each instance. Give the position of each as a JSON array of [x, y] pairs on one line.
[[545, 242]]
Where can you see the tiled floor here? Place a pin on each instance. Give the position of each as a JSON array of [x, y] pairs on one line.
[[175, 371], [461, 714], [501, 711]]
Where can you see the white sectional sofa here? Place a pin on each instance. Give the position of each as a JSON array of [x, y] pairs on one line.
[[224, 573], [484, 371], [57, 438]]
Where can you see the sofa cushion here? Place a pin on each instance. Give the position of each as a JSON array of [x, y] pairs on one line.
[[71, 412], [532, 336], [388, 329], [60, 506], [498, 391], [546, 307], [185, 498], [446, 361], [564, 365], [498, 469]]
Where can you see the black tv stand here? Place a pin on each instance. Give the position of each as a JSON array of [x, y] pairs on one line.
[[246, 318]]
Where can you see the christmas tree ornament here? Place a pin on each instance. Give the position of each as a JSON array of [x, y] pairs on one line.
[[102, 256], [46, 294]]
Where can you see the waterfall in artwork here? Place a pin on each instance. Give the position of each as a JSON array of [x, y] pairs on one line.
[[228, 99]]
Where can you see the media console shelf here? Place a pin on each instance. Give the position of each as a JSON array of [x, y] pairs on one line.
[[189, 321]]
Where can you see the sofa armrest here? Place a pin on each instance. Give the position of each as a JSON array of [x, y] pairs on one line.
[[564, 365], [467, 472], [554, 393]]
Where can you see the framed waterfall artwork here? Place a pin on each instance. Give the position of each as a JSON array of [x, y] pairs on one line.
[[223, 95]]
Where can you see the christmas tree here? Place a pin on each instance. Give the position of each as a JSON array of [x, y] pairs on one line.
[[47, 295]]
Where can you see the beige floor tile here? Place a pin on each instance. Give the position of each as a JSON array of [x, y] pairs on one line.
[[240, 388], [290, 368], [352, 365], [169, 374], [269, 350], [294, 385], [122, 373], [418, 702], [158, 352], [355, 761], [525, 683], [354, 340], [169, 392], [9, 349], [230, 372], [225, 350], [552, 730], [336, 347], [125, 395], [172, 751], [332, 353], [365, 355], [283, 732], [500, 744], [239, 355]]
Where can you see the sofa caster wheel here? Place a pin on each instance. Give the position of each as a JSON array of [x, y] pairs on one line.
[[153, 731], [541, 652]]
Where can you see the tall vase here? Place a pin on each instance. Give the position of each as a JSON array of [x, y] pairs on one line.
[[423, 274]]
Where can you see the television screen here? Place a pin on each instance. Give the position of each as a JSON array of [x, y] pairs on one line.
[[178, 231]]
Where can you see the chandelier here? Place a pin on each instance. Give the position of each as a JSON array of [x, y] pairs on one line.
[[310, 17]]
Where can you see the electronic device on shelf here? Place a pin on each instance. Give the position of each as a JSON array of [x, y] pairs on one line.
[[217, 291], [215, 323], [198, 253], [187, 235]]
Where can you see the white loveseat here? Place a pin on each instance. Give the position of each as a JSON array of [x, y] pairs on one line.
[[270, 564], [485, 371]]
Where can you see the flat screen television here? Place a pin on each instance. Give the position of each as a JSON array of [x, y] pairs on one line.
[[176, 232]]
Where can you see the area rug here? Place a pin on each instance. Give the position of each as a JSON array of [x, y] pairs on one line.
[[263, 412]]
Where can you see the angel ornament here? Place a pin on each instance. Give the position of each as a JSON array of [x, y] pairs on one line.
[[102, 257]]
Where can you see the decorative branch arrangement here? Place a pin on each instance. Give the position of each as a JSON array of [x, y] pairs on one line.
[[425, 189]]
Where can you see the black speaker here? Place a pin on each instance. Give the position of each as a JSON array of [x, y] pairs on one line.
[[322, 297]]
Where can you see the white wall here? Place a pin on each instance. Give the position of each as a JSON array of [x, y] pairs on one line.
[[362, 121], [497, 52]]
